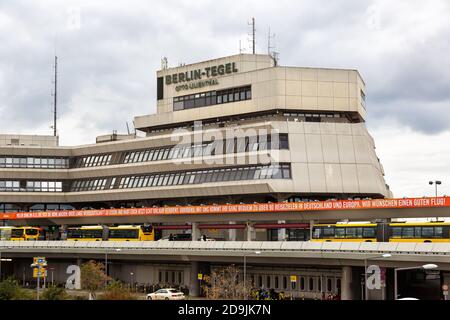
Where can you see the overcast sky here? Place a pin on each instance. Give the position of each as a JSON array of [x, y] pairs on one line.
[[109, 52]]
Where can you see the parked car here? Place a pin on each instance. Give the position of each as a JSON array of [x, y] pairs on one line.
[[166, 294]]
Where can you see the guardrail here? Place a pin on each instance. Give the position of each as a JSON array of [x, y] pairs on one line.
[[230, 247]]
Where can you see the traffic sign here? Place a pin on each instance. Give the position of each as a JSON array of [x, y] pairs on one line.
[[200, 276], [293, 278], [39, 273]]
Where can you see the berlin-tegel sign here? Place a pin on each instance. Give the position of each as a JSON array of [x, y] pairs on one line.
[[239, 208]]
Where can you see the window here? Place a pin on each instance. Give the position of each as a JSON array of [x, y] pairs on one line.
[[408, 232], [311, 284], [209, 98], [427, 232]]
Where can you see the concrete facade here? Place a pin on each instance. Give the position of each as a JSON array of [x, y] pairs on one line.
[[329, 152]]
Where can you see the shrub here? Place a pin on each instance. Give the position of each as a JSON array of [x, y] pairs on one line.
[[116, 291], [54, 293], [10, 290]]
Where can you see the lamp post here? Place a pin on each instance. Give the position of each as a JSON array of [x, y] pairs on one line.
[[245, 273], [132, 283], [436, 183], [425, 267], [366, 289], [106, 261]]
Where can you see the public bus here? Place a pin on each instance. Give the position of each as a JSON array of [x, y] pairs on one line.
[[20, 233], [86, 233], [346, 232], [382, 232], [131, 233], [104, 233], [419, 232]]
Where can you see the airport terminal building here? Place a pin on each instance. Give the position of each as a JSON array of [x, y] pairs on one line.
[[238, 129]]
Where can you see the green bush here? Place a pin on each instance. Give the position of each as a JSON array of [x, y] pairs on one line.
[[116, 291], [54, 293], [10, 290]]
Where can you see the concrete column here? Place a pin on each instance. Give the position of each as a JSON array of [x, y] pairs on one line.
[[194, 283], [282, 232], [346, 283], [232, 232], [250, 232], [195, 231], [311, 224]]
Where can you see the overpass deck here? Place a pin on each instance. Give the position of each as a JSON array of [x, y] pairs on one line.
[[324, 253]]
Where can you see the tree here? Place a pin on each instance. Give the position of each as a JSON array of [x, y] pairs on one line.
[[224, 284], [54, 293], [93, 277], [116, 291]]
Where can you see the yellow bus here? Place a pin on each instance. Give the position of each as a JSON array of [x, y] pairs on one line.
[[419, 232], [345, 232], [86, 233], [103, 233], [131, 233], [382, 232], [20, 233]]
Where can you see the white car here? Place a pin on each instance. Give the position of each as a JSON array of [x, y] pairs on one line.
[[166, 294]]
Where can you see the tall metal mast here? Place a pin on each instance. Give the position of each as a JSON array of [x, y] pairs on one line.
[[55, 97], [253, 35]]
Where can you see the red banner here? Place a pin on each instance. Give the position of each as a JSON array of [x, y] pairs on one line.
[[238, 208]]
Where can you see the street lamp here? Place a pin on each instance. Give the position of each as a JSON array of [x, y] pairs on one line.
[[245, 273], [366, 289], [132, 283], [425, 267], [106, 261], [436, 184]]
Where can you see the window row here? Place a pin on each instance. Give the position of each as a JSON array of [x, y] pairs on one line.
[[417, 232], [311, 283], [207, 176], [344, 232], [212, 98], [89, 185], [34, 162], [236, 145], [31, 186], [93, 161]]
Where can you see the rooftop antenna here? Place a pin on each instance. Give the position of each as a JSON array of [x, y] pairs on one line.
[[273, 54], [164, 63], [55, 96], [128, 128], [253, 35]]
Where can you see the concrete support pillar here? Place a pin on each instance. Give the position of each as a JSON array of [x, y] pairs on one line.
[[195, 231], [311, 224], [194, 283], [346, 283], [250, 232], [282, 232], [232, 232]]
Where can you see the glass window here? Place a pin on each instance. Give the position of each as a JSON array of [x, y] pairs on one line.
[[438, 232], [408, 232], [302, 283], [340, 233], [396, 232], [350, 232], [311, 284], [369, 232], [427, 232]]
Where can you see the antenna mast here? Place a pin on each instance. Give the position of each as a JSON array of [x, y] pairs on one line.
[[253, 34], [55, 97]]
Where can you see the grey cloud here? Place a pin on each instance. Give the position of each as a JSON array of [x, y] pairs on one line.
[[119, 46]]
